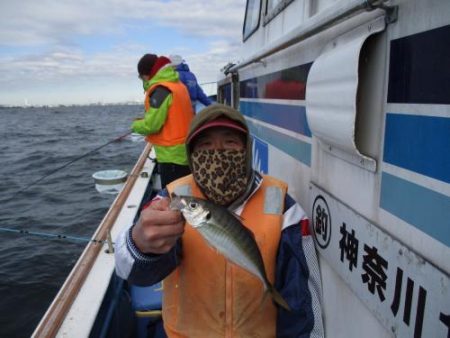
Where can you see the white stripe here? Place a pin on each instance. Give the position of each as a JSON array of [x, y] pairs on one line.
[[314, 285], [183, 190], [422, 180], [293, 216], [290, 133], [276, 101], [437, 110], [415, 238], [124, 260], [273, 203]]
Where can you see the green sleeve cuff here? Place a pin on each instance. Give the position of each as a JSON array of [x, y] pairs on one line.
[[154, 119]]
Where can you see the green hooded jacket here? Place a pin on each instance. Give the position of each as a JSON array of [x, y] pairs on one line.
[[155, 118]]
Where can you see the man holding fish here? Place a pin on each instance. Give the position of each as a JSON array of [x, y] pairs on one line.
[[224, 238]]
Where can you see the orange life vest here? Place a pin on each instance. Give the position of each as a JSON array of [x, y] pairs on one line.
[[179, 116], [208, 296]]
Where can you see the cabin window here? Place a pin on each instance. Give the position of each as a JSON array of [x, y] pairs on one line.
[[286, 84], [271, 4], [273, 7], [251, 21]]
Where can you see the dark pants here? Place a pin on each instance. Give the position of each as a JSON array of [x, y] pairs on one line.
[[170, 172]]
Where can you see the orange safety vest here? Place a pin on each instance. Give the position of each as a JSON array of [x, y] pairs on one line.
[[208, 296], [179, 117]]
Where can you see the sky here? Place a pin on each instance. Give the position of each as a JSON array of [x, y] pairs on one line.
[[86, 51]]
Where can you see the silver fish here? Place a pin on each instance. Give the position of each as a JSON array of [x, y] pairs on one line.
[[224, 232]]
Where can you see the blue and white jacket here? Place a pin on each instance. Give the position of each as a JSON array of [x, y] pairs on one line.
[[190, 81], [297, 271]]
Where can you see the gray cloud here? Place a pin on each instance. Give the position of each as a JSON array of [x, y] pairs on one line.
[[38, 40], [35, 22]]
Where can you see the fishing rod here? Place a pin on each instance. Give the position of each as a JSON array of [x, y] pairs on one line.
[[50, 235], [69, 163], [206, 83]]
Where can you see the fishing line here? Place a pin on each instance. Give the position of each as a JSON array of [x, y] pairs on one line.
[[205, 83], [69, 163], [50, 235]]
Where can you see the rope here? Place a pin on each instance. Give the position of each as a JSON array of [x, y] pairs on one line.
[[50, 235], [69, 163]]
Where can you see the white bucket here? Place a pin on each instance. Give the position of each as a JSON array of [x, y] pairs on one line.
[[134, 137], [110, 181]]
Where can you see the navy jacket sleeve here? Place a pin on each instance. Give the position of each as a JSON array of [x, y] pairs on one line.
[[143, 269], [151, 269], [201, 96], [297, 277]]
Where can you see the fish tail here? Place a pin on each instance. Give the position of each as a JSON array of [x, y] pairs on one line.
[[277, 298]]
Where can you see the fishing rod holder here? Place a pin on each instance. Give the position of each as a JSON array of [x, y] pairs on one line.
[[391, 11], [110, 243]]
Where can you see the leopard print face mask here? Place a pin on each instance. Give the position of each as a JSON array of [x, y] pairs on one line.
[[220, 173]]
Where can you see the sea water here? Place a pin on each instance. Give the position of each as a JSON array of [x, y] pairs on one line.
[[34, 142]]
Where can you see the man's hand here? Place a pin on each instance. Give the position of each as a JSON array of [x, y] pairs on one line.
[[158, 228]]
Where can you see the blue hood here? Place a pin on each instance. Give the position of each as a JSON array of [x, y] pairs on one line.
[[183, 67]]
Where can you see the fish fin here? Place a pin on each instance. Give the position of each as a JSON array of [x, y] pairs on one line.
[[176, 202], [264, 297], [174, 205], [238, 217], [277, 298], [241, 220], [249, 231]]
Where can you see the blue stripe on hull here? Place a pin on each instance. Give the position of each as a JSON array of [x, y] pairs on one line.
[[281, 115], [419, 143], [425, 209], [299, 150]]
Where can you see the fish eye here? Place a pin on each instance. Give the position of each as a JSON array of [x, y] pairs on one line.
[[193, 205]]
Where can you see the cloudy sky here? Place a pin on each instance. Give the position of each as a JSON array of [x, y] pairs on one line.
[[86, 51]]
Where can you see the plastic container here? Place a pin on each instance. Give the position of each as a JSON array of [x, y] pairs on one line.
[[110, 181]]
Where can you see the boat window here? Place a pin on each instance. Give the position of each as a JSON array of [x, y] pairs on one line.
[[271, 4], [251, 21], [273, 7]]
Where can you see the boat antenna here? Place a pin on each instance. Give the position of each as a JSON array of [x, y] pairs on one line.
[[70, 162]]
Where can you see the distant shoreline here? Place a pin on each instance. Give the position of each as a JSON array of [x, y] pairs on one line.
[[72, 105]]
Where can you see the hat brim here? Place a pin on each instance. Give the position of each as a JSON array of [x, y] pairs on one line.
[[218, 123]]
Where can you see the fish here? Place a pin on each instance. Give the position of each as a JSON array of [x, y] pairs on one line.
[[224, 231]]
